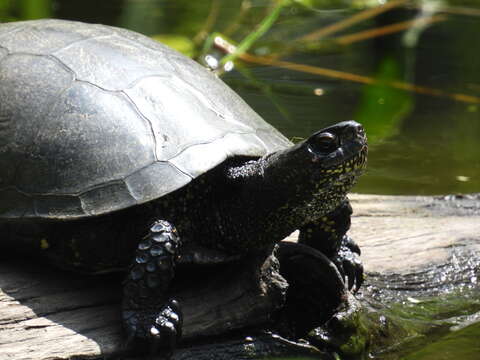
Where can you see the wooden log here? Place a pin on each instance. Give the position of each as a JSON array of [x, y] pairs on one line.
[[408, 233], [418, 246], [49, 314]]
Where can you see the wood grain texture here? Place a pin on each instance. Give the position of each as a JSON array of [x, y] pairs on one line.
[[408, 234]]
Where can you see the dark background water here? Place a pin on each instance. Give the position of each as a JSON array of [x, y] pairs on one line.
[[419, 143]]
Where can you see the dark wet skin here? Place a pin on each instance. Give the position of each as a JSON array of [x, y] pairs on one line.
[[239, 207], [249, 207]]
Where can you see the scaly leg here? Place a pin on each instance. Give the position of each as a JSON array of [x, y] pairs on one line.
[[151, 320]]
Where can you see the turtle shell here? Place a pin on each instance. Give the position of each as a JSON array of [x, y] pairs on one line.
[[95, 119]]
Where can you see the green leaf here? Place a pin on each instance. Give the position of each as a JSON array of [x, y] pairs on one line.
[[383, 107]]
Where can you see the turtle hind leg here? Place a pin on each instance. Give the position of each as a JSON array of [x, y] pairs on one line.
[[151, 320]]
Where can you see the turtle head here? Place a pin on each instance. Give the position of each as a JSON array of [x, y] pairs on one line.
[[335, 152], [287, 189], [338, 151], [317, 173]]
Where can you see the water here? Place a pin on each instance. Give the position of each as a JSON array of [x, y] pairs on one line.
[[423, 139]]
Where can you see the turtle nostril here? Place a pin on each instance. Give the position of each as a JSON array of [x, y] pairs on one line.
[[353, 130], [359, 128]]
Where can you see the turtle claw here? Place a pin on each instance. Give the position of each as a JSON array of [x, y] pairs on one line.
[[349, 264], [154, 332], [167, 328], [348, 242], [168, 324]]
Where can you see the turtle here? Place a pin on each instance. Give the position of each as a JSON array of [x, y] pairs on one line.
[[118, 152]]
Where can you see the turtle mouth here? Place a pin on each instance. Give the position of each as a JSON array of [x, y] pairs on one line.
[[352, 155], [350, 168], [339, 178], [344, 174]]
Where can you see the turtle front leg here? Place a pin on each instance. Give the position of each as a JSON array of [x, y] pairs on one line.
[[151, 320], [328, 234]]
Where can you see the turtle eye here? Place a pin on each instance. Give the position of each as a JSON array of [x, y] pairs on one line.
[[323, 142]]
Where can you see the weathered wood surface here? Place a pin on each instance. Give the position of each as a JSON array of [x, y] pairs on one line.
[[408, 234], [47, 314]]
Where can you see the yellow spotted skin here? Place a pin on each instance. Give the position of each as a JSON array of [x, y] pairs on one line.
[[326, 233], [44, 245]]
